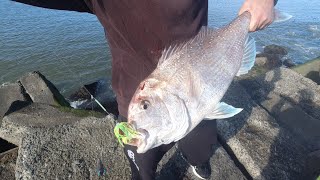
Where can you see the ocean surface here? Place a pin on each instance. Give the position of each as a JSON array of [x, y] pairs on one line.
[[70, 48]]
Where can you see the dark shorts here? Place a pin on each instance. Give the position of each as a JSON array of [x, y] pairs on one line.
[[196, 148]]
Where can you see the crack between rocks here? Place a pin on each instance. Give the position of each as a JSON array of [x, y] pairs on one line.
[[234, 158]]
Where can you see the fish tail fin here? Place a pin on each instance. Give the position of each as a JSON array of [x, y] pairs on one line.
[[249, 56], [280, 16]]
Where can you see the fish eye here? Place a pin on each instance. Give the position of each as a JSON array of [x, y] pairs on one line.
[[144, 104]]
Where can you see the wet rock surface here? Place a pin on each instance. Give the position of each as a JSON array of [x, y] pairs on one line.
[[275, 49], [288, 63], [268, 61], [101, 91]]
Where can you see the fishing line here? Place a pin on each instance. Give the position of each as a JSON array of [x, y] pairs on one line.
[[91, 96], [96, 100]]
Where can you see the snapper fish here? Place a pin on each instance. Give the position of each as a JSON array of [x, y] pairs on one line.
[[188, 84]]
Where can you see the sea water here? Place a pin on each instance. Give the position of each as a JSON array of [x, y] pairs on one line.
[[70, 48]]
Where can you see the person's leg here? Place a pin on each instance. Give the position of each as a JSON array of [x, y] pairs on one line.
[[197, 146], [143, 166]]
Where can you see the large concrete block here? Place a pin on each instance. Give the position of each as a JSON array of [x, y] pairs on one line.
[[10, 93], [291, 86], [64, 145], [41, 90], [264, 146], [15, 125], [72, 152]]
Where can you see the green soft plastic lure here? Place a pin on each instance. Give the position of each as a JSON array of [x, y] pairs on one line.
[[125, 133]]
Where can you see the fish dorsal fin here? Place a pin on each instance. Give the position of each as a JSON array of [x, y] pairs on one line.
[[222, 111], [249, 56], [169, 52], [174, 49]]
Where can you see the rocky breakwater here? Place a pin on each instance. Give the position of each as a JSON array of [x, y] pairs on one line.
[[276, 136], [55, 141]]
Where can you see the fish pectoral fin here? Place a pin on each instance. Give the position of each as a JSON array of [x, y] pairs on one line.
[[223, 110], [249, 56]]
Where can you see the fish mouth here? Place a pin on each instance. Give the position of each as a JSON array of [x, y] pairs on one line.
[[127, 133], [140, 141]]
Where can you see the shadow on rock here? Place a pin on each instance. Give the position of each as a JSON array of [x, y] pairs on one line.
[[299, 118], [17, 105], [175, 168], [294, 131]]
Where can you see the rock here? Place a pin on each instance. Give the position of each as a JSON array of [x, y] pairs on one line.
[[84, 93], [275, 49], [101, 90], [173, 166], [55, 144], [276, 136], [273, 60], [313, 165], [16, 125], [288, 63], [271, 57], [250, 135], [5, 145], [265, 141], [293, 118], [310, 69], [41, 90], [293, 87], [72, 152], [8, 164], [10, 93], [261, 61], [70, 149]]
